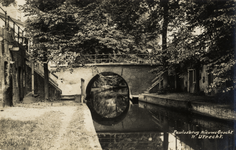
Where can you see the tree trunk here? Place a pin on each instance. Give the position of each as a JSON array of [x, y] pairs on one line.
[[164, 4], [6, 80], [32, 76], [46, 82], [2, 74], [21, 87], [15, 80], [14, 90]]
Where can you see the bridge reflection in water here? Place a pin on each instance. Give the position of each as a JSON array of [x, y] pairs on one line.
[[110, 103], [108, 98], [149, 126], [121, 125]]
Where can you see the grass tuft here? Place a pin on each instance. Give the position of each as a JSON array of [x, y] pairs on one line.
[[37, 134]]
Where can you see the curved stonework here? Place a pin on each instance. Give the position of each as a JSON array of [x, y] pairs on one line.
[[138, 77]]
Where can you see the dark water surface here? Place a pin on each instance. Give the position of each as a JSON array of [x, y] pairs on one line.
[[151, 127], [121, 125]]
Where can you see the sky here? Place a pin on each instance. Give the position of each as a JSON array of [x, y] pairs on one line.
[[20, 2]]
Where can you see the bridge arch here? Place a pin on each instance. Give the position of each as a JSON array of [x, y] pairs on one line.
[[108, 104], [92, 79], [137, 77]]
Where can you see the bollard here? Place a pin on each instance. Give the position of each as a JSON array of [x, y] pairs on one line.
[[78, 98], [82, 90]]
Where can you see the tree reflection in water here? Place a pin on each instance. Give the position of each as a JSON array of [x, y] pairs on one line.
[[109, 95]]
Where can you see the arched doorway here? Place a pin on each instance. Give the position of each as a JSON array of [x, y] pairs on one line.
[[108, 98]]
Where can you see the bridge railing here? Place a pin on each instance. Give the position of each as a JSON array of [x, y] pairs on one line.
[[119, 58]]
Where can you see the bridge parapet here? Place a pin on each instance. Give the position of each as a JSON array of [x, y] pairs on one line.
[[119, 58]]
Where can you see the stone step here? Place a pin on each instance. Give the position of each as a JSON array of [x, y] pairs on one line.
[[67, 97], [76, 98]]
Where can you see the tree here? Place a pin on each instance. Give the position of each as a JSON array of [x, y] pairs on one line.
[[38, 27], [68, 29], [6, 3], [72, 28], [214, 46], [169, 16]]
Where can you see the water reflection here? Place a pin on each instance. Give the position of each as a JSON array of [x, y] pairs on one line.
[[160, 128], [136, 120], [108, 98], [191, 131], [128, 141], [109, 103]]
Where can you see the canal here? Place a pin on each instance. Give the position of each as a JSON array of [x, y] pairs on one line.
[[152, 127], [122, 125]]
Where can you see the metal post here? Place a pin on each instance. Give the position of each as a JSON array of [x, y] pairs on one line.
[[22, 38], [32, 73], [32, 66], [18, 34], [8, 26], [14, 27], [46, 81], [5, 19], [1, 72]]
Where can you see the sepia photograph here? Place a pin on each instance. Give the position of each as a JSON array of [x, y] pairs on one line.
[[117, 75]]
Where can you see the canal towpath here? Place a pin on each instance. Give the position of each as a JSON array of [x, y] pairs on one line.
[[76, 128], [204, 105]]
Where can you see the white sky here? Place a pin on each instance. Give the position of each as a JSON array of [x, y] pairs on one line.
[[20, 2]]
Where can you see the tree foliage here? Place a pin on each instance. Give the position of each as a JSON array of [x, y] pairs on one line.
[[214, 45], [6, 3], [69, 29], [72, 28], [200, 33]]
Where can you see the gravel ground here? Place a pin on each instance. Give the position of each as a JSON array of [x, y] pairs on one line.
[[68, 113]]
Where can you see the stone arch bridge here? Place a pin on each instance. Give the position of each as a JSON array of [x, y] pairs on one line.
[[137, 76]]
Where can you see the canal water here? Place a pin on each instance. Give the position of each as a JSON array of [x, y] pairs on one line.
[[151, 127], [122, 125]]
